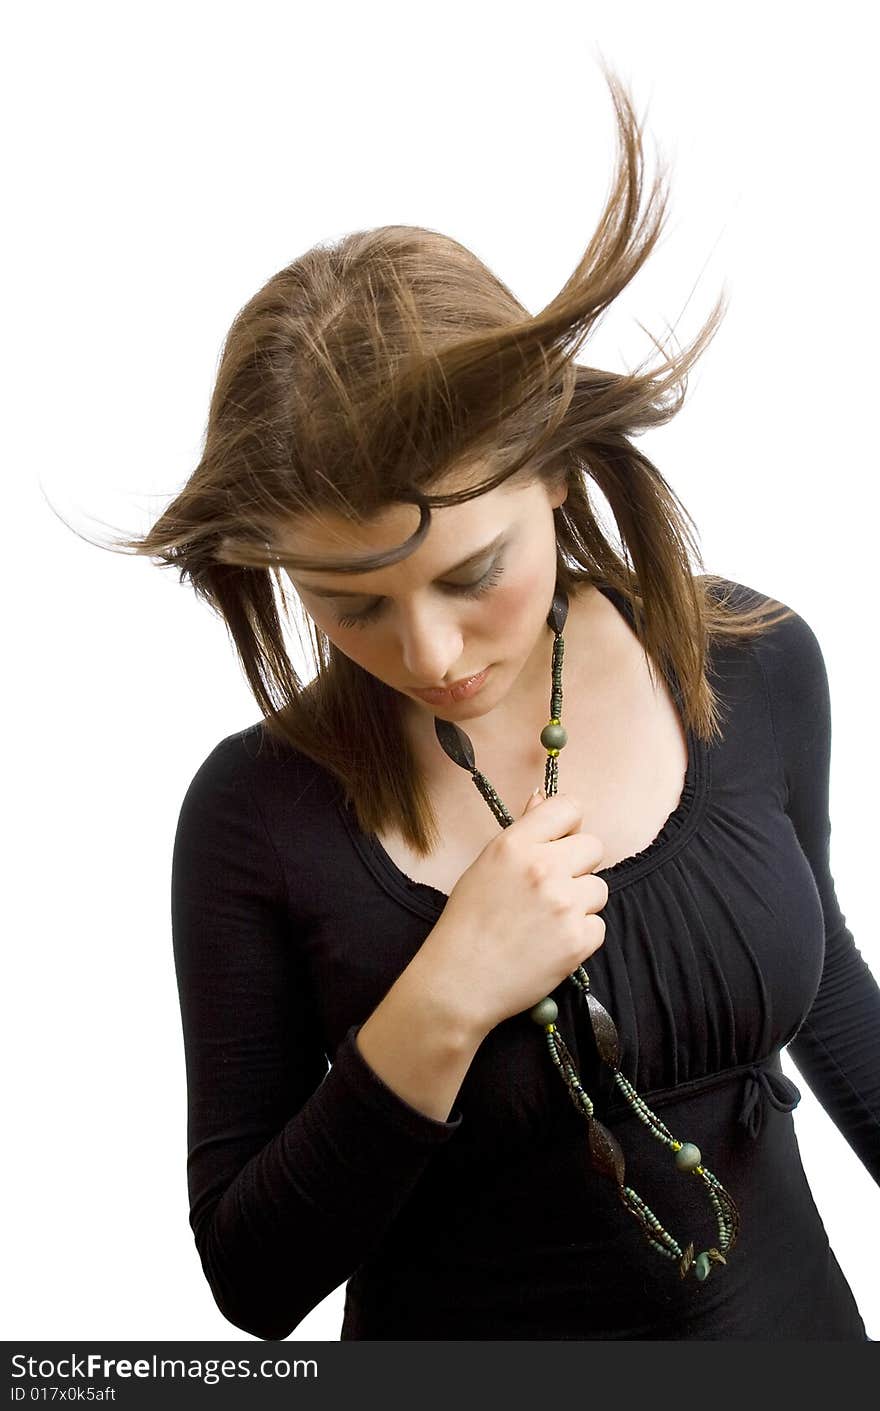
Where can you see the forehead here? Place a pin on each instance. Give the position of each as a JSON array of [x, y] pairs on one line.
[[459, 536], [326, 587]]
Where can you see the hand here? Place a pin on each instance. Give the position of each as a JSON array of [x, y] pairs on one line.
[[523, 916]]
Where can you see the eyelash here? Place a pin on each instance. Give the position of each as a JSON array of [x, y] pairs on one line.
[[467, 590]]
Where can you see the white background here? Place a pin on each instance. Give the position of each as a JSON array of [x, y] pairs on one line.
[[161, 162]]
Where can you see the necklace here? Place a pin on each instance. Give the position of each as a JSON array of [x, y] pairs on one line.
[[606, 1153]]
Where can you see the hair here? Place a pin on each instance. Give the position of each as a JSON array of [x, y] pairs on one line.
[[370, 369]]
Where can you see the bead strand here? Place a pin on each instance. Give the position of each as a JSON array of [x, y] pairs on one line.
[[557, 1051], [605, 1150], [644, 1113], [673, 1251]]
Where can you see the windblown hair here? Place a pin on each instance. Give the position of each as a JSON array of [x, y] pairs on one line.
[[368, 370]]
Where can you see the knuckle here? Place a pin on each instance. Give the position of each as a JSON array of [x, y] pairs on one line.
[[503, 847], [536, 872], [560, 907]]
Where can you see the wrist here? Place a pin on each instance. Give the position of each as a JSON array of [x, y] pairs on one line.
[[437, 997]]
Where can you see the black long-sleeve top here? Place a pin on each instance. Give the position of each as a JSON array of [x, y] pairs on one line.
[[724, 944]]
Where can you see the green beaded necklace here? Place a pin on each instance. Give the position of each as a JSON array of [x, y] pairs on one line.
[[605, 1151]]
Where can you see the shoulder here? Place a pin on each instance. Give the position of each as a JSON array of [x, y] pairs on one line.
[[788, 650], [793, 677], [222, 768], [254, 760], [239, 811]]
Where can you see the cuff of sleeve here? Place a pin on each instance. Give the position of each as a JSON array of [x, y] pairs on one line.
[[354, 1070]]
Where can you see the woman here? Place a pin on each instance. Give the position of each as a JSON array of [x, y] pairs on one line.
[[554, 1105]]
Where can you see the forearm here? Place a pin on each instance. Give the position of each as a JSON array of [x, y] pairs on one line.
[[419, 1041], [837, 1048]]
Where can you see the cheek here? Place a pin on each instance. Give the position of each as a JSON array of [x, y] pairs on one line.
[[354, 642], [366, 647], [517, 603], [348, 639]]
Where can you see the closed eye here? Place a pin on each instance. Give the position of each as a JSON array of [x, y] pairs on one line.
[[465, 590]]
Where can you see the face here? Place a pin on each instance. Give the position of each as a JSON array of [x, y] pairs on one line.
[[432, 620]]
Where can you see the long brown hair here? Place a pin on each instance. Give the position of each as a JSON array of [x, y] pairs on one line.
[[370, 369]]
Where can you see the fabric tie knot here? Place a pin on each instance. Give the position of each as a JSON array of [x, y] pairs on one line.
[[778, 1090]]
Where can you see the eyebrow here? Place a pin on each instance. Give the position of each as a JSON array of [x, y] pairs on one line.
[[364, 593]]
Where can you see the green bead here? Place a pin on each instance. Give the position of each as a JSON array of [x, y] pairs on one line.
[[702, 1265], [545, 1011], [553, 736], [688, 1157]]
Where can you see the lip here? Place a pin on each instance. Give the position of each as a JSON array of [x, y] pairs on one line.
[[462, 691]]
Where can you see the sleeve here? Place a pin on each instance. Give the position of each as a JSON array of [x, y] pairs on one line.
[[837, 1047], [294, 1172]]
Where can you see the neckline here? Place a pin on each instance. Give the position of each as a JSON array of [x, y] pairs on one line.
[[681, 823]]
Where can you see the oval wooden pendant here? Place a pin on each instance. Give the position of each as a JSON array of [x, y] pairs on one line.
[[558, 610], [606, 1152], [455, 742], [603, 1030]]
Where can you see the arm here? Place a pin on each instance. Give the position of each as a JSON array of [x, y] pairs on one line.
[[294, 1173], [418, 1042], [837, 1047]]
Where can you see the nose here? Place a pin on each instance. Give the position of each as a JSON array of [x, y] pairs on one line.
[[432, 645]]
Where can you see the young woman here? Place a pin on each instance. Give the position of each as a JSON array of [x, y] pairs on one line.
[[507, 1062]]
